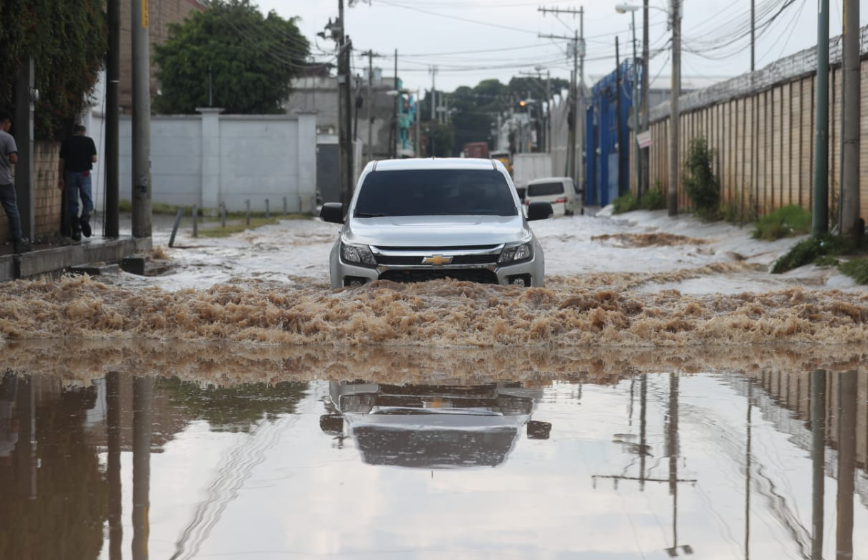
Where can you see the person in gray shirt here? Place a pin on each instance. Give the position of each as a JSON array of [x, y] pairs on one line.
[[8, 158]]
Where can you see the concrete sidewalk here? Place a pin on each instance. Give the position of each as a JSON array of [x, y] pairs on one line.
[[51, 259]]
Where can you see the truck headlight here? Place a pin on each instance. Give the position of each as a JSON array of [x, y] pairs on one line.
[[358, 254], [516, 254]]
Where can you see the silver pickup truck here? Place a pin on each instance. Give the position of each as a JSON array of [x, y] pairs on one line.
[[423, 219]]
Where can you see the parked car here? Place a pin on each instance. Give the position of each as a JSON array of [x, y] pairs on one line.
[[433, 426], [561, 192], [422, 219]]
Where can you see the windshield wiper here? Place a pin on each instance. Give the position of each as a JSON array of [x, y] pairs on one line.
[[369, 215]]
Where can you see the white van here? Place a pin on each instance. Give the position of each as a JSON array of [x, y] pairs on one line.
[[561, 192]]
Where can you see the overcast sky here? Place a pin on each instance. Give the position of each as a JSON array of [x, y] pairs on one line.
[[425, 33]]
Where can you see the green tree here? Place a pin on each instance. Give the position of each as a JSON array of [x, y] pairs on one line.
[[439, 139], [250, 58], [68, 42]]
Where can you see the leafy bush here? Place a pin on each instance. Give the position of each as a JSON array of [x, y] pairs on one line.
[[625, 203], [857, 269], [783, 222], [654, 199], [700, 182], [810, 251]]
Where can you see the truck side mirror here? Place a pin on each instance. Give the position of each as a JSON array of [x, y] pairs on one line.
[[332, 212], [539, 211]]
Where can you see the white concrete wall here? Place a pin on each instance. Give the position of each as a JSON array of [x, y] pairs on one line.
[[210, 158]]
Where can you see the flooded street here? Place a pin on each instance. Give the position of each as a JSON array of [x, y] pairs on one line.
[[662, 396], [196, 451]]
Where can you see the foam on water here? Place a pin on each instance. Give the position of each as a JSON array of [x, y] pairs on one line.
[[598, 309]]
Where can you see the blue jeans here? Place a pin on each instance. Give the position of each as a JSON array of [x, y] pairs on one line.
[[7, 199], [77, 184]]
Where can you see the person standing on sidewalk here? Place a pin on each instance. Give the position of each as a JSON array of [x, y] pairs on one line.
[[77, 156], [8, 158]]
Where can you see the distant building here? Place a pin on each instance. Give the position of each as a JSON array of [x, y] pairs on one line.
[[319, 94]]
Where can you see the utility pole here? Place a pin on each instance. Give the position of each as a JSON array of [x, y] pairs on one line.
[[548, 111], [370, 54], [623, 149], [142, 218], [644, 155], [818, 460], [433, 71], [577, 91], [635, 143], [25, 191], [393, 149], [674, 115], [672, 452], [112, 117], [752, 35], [851, 112], [820, 222], [345, 109]]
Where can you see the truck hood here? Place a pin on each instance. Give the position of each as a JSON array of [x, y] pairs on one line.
[[437, 231]]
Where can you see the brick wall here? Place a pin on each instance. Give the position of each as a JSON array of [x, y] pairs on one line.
[[161, 13], [46, 196]]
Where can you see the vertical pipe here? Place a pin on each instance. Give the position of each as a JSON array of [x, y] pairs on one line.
[[267, 210], [143, 391], [818, 456], [247, 204], [820, 222], [195, 212], [142, 219], [112, 116]]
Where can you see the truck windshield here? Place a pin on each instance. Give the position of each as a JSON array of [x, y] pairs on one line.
[[435, 192]]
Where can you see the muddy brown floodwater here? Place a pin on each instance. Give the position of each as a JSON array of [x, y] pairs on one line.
[[137, 448], [594, 309]]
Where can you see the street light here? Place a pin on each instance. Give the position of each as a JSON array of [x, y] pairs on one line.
[[623, 9]]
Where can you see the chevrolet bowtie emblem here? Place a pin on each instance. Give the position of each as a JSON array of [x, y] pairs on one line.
[[437, 260]]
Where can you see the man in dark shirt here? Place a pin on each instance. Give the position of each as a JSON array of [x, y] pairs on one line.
[[77, 156]]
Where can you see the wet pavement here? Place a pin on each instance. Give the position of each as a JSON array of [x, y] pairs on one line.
[[145, 449]]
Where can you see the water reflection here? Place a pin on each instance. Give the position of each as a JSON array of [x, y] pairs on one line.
[[432, 426], [762, 463]]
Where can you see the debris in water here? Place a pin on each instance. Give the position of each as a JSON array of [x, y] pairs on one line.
[[649, 239]]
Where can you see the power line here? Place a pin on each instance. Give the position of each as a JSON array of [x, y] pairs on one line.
[[458, 18]]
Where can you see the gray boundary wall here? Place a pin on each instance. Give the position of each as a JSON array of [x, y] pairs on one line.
[[210, 158], [761, 128]]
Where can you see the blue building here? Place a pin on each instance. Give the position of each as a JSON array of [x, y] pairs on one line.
[[607, 131]]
